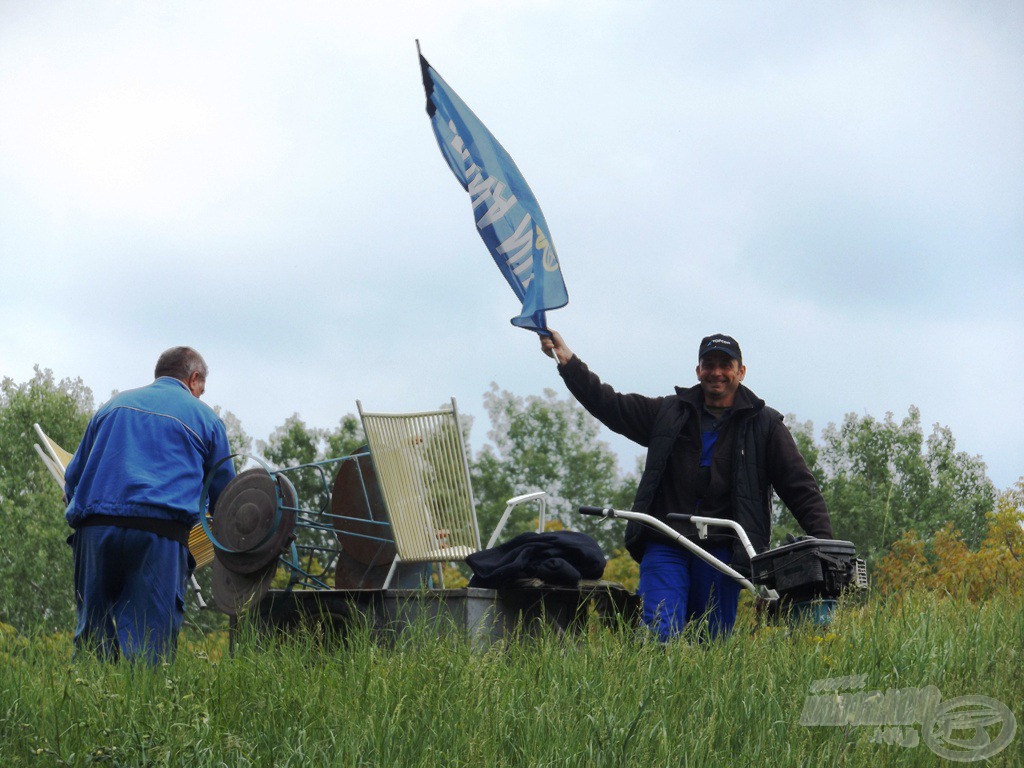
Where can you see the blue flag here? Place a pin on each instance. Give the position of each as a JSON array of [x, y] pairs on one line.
[[507, 215]]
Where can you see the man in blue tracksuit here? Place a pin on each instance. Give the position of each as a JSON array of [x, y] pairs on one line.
[[133, 491], [716, 450]]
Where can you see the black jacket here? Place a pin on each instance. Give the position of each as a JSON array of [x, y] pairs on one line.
[[755, 454], [554, 557]]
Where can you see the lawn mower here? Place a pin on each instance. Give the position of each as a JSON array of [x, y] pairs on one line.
[[802, 579]]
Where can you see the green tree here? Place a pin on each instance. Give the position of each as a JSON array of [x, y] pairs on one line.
[[345, 438], [803, 433], [883, 478], [294, 444], [544, 443], [238, 441], [945, 563], [35, 562]]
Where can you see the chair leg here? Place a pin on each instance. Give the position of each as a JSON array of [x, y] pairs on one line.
[[391, 572], [197, 590], [539, 496]]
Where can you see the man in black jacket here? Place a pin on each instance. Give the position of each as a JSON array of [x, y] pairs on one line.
[[715, 450]]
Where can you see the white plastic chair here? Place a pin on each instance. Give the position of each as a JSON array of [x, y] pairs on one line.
[[421, 465]]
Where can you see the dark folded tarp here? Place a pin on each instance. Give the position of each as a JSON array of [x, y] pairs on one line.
[[555, 557]]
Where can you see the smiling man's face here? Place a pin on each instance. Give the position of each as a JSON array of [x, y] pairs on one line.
[[719, 376]]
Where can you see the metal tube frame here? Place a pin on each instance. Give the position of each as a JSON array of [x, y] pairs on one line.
[[702, 523]]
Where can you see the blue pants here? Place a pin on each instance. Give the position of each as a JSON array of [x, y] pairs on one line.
[[677, 588], [129, 592]]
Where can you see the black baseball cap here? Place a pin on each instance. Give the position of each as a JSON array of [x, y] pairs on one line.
[[719, 342]]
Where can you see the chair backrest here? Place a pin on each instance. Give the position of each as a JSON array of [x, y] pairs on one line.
[[200, 547], [57, 455], [421, 465], [56, 470]]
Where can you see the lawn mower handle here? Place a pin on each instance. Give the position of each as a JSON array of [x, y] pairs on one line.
[[702, 524]]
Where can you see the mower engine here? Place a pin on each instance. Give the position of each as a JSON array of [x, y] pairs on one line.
[[807, 569]]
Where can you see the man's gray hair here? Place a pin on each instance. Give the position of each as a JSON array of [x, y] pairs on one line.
[[180, 363]]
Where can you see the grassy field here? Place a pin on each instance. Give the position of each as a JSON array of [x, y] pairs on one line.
[[607, 697]]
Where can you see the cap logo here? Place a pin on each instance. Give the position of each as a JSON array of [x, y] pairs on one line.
[[725, 344]]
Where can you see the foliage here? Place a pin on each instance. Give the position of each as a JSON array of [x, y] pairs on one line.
[[622, 569], [883, 478], [453, 576], [293, 444], [605, 697], [238, 441], [35, 561], [782, 522], [544, 443], [946, 563]]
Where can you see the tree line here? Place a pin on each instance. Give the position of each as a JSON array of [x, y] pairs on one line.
[[883, 479]]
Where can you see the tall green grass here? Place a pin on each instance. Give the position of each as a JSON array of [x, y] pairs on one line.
[[605, 697]]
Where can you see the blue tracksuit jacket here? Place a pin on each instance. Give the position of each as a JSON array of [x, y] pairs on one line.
[[146, 454]]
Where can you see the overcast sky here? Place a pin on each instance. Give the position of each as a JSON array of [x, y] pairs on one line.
[[838, 186]]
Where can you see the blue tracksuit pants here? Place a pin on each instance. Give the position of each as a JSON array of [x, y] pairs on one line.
[[129, 592], [677, 588]]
